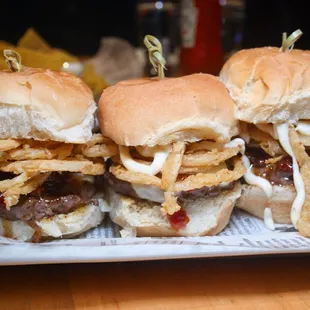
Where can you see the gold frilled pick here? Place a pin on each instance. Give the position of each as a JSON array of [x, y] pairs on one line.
[[13, 60], [288, 43], [155, 54]]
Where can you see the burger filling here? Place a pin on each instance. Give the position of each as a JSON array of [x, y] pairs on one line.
[[156, 194], [285, 151], [277, 173], [42, 179], [61, 193], [177, 173]]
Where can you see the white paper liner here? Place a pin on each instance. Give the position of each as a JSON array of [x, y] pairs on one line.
[[245, 235]]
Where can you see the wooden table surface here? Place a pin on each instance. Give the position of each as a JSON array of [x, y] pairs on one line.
[[246, 283]]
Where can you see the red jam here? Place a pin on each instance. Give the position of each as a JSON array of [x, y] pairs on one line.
[[182, 177], [279, 173], [179, 219], [286, 164], [2, 202]]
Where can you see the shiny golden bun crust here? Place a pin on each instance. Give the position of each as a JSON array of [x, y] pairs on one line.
[[152, 112], [47, 105], [269, 86]]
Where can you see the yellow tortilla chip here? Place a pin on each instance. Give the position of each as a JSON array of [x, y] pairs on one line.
[[32, 40], [37, 53]]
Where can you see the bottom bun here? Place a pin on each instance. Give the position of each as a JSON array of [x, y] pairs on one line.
[[58, 226], [208, 216], [254, 201]]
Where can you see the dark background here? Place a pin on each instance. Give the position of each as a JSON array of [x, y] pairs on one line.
[[77, 26], [266, 20]]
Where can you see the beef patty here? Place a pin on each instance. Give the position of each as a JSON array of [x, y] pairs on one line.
[[125, 188], [60, 194]]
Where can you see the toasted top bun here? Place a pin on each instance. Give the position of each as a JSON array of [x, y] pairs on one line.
[[45, 105], [157, 112], [269, 86]]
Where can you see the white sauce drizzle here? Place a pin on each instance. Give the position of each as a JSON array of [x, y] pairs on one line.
[[249, 176], [303, 127], [235, 143], [159, 160], [253, 179], [282, 131], [268, 219]]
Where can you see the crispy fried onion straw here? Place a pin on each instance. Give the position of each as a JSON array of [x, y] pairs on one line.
[[9, 144], [33, 161], [99, 146], [98, 138], [204, 145], [273, 160], [267, 142], [170, 173], [11, 196], [84, 166], [134, 177], [101, 150], [183, 170], [26, 152], [212, 158], [206, 160], [17, 181], [213, 177], [172, 165], [272, 147], [170, 205], [303, 160]]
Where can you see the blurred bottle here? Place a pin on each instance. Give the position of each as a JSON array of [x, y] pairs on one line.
[[200, 23], [160, 19], [232, 26]]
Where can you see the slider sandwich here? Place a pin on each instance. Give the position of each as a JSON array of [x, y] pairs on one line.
[[48, 155], [177, 171], [270, 87], [178, 168]]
